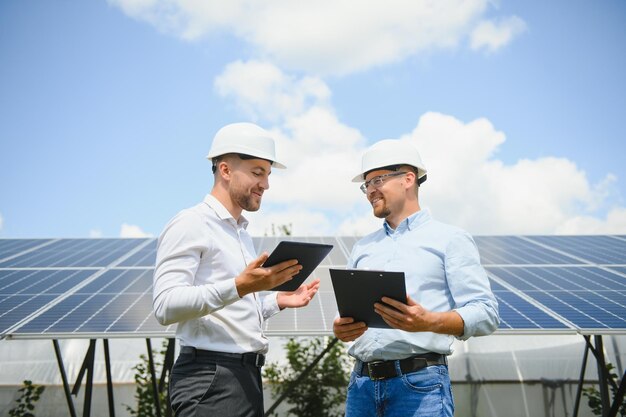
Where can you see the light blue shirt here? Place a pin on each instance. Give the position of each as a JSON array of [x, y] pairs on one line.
[[442, 273]]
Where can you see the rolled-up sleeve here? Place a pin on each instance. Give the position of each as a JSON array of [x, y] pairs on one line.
[[175, 297], [470, 288]]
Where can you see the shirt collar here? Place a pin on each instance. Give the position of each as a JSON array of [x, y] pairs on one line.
[[222, 212], [412, 222]]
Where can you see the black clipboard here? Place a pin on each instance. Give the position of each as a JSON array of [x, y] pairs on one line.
[[309, 255], [357, 290]]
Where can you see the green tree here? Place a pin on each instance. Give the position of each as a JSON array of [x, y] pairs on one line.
[[30, 394], [594, 399], [281, 229], [144, 394], [323, 389]]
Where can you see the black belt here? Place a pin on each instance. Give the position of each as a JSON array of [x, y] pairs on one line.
[[377, 370], [250, 358]]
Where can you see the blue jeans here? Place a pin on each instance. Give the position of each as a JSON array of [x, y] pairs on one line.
[[425, 393]]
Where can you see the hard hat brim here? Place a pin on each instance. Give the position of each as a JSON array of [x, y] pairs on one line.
[[387, 153], [250, 152], [361, 177]]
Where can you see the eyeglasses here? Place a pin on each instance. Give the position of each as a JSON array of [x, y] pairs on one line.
[[379, 180]]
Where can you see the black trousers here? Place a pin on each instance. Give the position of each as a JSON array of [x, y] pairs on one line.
[[215, 384]]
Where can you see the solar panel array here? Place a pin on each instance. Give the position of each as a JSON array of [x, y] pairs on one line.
[[87, 288]]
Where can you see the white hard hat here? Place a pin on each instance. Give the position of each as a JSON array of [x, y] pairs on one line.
[[391, 152], [244, 138]]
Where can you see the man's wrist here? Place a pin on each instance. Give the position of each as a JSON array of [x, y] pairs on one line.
[[449, 322], [242, 286], [279, 297]]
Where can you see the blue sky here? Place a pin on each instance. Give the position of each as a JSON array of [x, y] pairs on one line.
[[107, 110]]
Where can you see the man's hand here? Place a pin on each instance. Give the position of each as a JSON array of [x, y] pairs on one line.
[[299, 297], [258, 278], [347, 330], [412, 317]]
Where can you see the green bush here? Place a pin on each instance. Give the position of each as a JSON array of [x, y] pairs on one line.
[[323, 390], [144, 394], [594, 399], [30, 394]]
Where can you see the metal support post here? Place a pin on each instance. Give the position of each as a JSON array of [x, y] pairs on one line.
[[603, 376], [155, 389], [619, 397], [168, 362], [583, 368], [107, 364], [88, 365], [66, 385], [301, 377]]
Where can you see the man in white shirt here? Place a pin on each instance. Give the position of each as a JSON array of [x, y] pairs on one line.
[[207, 280]]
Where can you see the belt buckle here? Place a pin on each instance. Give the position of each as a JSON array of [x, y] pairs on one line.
[[371, 366], [259, 360]]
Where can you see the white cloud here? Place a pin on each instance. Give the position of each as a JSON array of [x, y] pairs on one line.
[[261, 90], [467, 184], [94, 233], [317, 148], [329, 36], [493, 35], [131, 230], [303, 222], [359, 223], [614, 223]]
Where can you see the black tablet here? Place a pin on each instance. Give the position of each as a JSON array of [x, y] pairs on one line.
[[309, 255], [357, 290]]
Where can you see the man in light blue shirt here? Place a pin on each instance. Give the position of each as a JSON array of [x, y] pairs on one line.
[[403, 371]]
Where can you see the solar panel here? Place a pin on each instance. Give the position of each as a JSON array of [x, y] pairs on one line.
[[25, 291], [316, 318], [601, 250], [11, 247], [89, 287], [618, 269], [518, 315], [74, 253], [144, 257], [591, 298], [117, 301], [267, 244], [513, 250]]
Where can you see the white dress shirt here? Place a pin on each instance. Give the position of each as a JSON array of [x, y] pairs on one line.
[[200, 252]]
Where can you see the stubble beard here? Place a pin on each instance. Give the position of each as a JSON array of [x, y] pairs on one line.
[[383, 212], [245, 200]]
